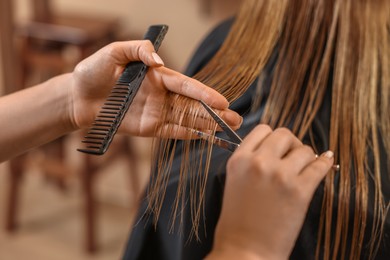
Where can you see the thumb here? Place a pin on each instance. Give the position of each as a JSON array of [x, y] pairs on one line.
[[141, 51]]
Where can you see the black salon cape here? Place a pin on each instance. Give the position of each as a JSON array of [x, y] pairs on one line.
[[150, 242]]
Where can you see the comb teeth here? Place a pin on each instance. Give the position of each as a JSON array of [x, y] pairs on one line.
[[104, 127], [107, 122]]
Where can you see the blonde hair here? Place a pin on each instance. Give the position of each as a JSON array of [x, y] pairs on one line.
[[337, 44]]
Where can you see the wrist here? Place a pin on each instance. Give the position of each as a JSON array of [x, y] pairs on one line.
[[63, 101], [233, 253]]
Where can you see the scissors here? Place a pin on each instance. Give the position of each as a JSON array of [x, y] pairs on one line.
[[235, 138], [221, 142]]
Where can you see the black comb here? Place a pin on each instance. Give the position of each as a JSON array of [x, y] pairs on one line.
[[107, 122]]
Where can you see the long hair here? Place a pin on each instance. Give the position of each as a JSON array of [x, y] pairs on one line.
[[337, 44]]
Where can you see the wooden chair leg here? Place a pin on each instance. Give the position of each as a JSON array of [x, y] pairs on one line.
[[133, 159], [89, 206], [15, 177], [55, 164]]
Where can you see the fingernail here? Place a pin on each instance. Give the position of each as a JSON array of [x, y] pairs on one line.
[[328, 154], [157, 58]]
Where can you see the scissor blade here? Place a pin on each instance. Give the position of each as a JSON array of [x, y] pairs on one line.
[[223, 143], [225, 127]]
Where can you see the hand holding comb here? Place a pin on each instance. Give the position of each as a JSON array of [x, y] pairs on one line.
[[109, 118]]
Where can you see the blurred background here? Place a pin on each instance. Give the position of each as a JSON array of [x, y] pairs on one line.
[[56, 203]]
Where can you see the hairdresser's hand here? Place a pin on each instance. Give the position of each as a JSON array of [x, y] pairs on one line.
[[271, 179], [94, 77]]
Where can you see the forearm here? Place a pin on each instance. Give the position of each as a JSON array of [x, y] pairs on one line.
[[34, 116]]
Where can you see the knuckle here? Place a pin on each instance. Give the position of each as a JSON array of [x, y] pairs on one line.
[[147, 44], [263, 128], [139, 50], [286, 136], [110, 48], [144, 49], [81, 68], [185, 85], [283, 131], [261, 166], [319, 166], [254, 165], [308, 149]]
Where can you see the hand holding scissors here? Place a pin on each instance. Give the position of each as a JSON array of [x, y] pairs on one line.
[[270, 180]]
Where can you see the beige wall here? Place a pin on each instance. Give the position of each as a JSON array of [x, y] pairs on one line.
[[188, 25]]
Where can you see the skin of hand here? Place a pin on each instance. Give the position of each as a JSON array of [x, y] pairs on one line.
[[94, 77], [270, 181]]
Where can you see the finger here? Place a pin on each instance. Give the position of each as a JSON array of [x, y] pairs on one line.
[[202, 118], [189, 87], [127, 51], [315, 171], [255, 137], [279, 143], [297, 159], [232, 118], [198, 119]]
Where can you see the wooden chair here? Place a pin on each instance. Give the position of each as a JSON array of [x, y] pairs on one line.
[[45, 42], [47, 38]]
